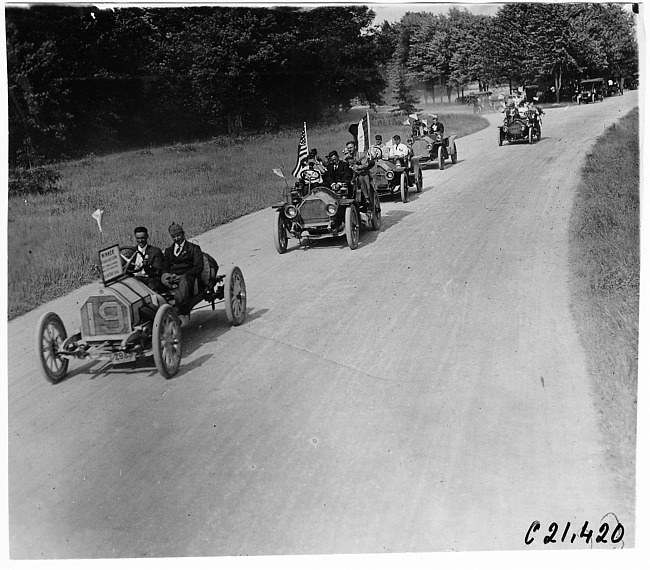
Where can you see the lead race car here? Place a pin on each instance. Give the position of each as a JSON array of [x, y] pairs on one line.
[[312, 211], [124, 320]]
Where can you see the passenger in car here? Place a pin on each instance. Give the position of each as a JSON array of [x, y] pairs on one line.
[[338, 173], [183, 264]]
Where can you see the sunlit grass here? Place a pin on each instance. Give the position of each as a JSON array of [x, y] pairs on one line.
[[605, 258], [53, 239]]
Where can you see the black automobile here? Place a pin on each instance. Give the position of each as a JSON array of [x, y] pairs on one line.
[[312, 211]]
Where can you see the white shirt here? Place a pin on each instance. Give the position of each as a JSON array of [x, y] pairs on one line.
[[178, 247], [398, 151]]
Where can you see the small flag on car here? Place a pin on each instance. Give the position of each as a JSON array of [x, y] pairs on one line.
[[302, 152], [407, 122], [414, 116], [97, 214], [278, 172]]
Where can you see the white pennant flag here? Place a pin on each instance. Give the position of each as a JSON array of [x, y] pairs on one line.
[[278, 172], [97, 214]]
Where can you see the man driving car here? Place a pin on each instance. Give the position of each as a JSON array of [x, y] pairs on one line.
[[148, 261]]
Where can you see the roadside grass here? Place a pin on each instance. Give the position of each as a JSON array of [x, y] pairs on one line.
[[53, 239], [605, 260]]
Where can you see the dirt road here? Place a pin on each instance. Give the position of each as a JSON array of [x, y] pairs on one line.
[[425, 392]]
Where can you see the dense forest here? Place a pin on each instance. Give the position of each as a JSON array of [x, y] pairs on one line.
[[83, 79]]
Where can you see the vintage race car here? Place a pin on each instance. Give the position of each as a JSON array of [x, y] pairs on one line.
[[520, 124], [125, 320], [434, 148], [394, 179], [312, 211]]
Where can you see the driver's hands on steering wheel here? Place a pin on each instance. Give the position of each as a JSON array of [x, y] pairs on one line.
[[169, 279]]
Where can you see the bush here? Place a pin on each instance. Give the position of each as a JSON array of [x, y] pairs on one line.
[[37, 180]]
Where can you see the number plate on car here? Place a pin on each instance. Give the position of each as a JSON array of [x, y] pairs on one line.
[[120, 357]]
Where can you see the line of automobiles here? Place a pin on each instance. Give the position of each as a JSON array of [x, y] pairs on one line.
[[124, 320]]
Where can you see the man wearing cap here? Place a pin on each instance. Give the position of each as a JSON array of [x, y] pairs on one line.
[[338, 172], [398, 151], [436, 126], [377, 149], [183, 264]]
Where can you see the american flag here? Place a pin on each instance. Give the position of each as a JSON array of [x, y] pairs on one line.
[[302, 152]]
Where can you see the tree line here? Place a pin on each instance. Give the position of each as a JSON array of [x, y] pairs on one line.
[[85, 80], [550, 45]]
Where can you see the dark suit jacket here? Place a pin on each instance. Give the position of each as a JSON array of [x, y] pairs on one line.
[[153, 261], [189, 262], [339, 173]]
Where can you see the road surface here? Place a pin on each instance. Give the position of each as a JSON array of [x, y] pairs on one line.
[[425, 392]]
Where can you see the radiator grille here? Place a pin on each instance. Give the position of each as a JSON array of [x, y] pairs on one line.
[[313, 212]]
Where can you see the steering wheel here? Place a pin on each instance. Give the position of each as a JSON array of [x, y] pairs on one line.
[[131, 258]]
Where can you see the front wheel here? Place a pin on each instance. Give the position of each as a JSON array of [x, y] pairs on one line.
[[376, 213], [454, 155], [441, 160], [235, 296], [352, 227], [530, 135], [418, 182], [403, 188], [500, 139], [280, 237], [166, 341], [50, 336]]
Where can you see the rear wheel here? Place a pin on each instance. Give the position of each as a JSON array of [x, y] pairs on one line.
[[280, 237], [235, 296], [500, 136], [352, 227], [166, 341], [50, 335], [376, 213], [441, 160], [403, 188]]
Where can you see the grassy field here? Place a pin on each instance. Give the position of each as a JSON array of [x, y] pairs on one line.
[[605, 257], [53, 239]]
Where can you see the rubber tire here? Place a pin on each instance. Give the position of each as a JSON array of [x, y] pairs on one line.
[[52, 322], [376, 214], [441, 161], [352, 227], [280, 238], [234, 294], [418, 182], [167, 341], [404, 189], [500, 136], [539, 132], [530, 135], [454, 155]]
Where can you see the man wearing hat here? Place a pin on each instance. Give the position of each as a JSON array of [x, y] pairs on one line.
[[436, 126], [377, 149], [338, 172], [183, 264]]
